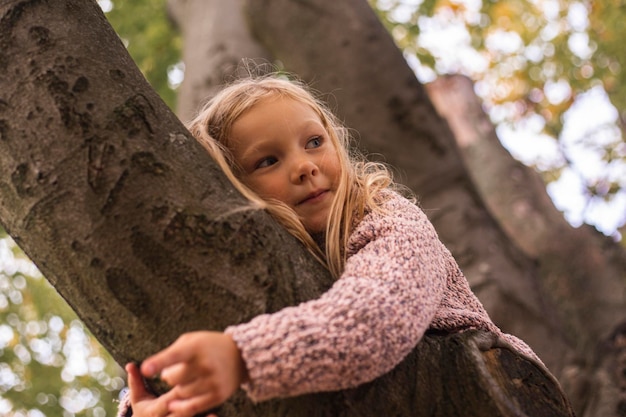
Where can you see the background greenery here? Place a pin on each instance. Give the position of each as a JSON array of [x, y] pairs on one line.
[[515, 50], [49, 363]]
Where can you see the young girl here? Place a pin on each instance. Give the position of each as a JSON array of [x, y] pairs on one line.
[[395, 280]]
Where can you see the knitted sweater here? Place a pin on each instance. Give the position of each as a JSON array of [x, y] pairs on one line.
[[399, 281]]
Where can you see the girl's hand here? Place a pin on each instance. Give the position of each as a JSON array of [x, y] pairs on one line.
[[144, 404], [203, 368]]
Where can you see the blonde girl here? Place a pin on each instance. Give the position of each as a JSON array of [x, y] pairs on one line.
[[287, 153]]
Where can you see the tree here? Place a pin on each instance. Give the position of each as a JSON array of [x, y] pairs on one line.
[[124, 243]]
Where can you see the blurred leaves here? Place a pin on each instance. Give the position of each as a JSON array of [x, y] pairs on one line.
[[607, 31], [533, 62], [49, 363], [523, 45]]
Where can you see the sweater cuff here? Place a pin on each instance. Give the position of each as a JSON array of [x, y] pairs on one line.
[[253, 390], [125, 409]]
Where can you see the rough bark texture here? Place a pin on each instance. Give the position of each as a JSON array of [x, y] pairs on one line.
[[119, 207], [581, 270]]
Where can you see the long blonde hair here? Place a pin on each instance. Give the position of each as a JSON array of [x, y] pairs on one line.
[[359, 184]]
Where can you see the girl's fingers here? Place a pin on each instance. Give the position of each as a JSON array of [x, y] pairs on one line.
[[179, 373], [193, 406], [143, 402], [138, 391], [167, 357], [184, 349], [197, 388]]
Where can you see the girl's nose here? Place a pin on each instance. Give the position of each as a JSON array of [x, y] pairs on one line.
[[303, 169]]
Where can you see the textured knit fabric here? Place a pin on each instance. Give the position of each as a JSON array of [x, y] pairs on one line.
[[124, 409], [399, 281]]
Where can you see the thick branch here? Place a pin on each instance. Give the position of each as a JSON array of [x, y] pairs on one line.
[[581, 270], [119, 207]]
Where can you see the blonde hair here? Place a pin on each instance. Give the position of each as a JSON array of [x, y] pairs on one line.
[[359, 184]]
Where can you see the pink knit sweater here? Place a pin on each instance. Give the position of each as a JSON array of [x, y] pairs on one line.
[[399, 281]]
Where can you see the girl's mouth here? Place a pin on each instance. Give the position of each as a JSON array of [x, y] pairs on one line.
[[313, 197]]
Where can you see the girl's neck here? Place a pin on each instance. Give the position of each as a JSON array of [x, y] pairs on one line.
[[320, 239]]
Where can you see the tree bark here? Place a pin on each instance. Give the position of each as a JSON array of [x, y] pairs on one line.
[[581, 270], [120, 208]]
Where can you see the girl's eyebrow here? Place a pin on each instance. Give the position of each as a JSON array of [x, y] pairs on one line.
[[253, 150], [312, 123]]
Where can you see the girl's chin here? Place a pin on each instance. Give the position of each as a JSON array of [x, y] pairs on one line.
[[315, 228]]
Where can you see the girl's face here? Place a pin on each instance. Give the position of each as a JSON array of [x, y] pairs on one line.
[[285, 153]]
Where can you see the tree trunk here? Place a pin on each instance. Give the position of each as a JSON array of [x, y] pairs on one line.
[[582, 269]]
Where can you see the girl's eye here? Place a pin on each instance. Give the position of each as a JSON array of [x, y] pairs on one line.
[[314, 142], [266, 162]]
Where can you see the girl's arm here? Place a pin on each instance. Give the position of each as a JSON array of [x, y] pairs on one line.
[[365, 324]]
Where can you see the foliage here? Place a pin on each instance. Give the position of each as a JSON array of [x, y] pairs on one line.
[[49, 363], [534, 63]]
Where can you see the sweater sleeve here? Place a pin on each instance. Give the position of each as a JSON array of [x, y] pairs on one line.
[[363, 326], [124, 408]]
